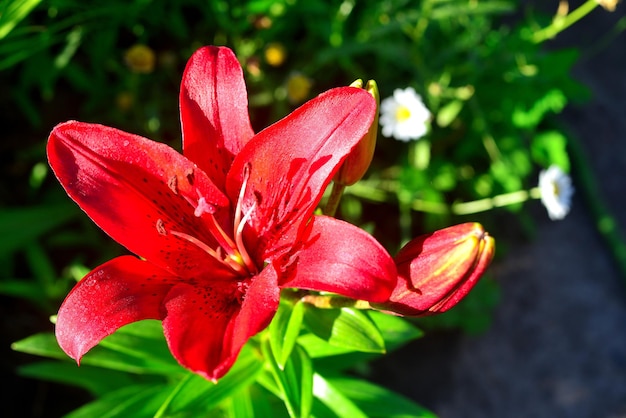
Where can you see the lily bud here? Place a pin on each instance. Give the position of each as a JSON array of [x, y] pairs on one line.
[[359, 160], [435, 271]]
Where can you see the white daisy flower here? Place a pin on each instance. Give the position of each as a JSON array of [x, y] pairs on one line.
[[556, 192], [404, 115]]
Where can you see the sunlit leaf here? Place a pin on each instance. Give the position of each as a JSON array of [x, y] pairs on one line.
[[378, 401], [335, 400], [139, 401], [284, 330], [345, 327], [94, 379], [194, 393], [12, 12], [294, 384]]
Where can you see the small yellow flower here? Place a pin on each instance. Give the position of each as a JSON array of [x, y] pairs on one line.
[[140, 59], [298, 88], [124, 100], [275, 54]]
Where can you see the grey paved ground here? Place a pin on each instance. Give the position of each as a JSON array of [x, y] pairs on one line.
[[557, 347]]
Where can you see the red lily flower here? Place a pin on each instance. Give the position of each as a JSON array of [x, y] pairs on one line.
[[220, 229]]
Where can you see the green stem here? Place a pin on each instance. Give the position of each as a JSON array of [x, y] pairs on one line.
[[333, 200], [560, 23], [370, 192], [482, 205]]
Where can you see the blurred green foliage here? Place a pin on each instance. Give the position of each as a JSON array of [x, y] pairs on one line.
[[490, 87]]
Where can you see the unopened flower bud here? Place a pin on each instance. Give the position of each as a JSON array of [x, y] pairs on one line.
[[359, 160], [435, 271]]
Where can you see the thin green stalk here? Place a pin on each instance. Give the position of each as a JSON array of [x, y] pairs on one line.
[[560, 23], [370, 192], [333, 200], [506, 199]]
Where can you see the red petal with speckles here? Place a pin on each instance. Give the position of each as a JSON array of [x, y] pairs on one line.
[[214, 111], [206, 326], [136, 190], [123, 290], [291, 163]]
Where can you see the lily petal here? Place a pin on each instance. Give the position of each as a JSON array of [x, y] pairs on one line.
[[214, 111], [207, 326], [291, 162], [119, 292], [339, 257], [136, 190]]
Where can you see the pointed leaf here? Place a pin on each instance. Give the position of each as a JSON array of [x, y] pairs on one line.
[[396, 330], [284, 330], [198, 394], [295, 382], [334, 399], [42, 344], [139, 401], [132, 360], [345, 327], [378, 401], [96, 380]]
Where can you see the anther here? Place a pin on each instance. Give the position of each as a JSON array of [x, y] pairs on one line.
[[160, 226], [172, 183]]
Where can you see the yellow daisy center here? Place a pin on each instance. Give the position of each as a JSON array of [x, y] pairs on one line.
[[402, 113]]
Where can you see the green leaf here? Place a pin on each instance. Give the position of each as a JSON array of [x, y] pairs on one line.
[[152, 360], [295, 382], [318, 348], [43, 344], [396, 330], [284, 330], [241, 405], [12, 13], [23, 289], [378, 401], [140, 343], [96, 380], [345, 327], [195, 393], [553, 100], [137, 401], [548, 148], [334, 399], [19, 226]]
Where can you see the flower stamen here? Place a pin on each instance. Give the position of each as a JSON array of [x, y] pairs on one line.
[[229, 261]]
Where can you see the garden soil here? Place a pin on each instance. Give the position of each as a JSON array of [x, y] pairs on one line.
[[557, 344]]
